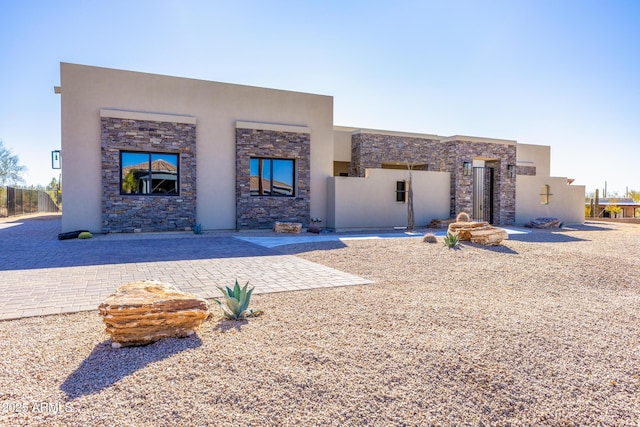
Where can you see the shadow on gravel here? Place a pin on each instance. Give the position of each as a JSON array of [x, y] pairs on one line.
[[501, 249], [545, 237], [299, 248], [106, 366], [225, 326]]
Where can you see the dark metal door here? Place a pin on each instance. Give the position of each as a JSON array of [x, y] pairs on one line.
[[483, 194]]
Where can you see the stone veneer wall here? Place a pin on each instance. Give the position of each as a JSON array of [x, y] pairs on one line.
[[264, 211], [526, 170], [500, 155], [372, 150], [130, 212]]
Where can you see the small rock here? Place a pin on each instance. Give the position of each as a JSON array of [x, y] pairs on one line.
[[429, 238], [440, 223], [313, 229]]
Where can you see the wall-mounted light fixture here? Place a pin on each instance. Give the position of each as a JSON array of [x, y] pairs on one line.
[[511, 171], [56, 159], [467, 168]]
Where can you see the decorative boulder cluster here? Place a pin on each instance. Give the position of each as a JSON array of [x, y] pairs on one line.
[[477, 232]]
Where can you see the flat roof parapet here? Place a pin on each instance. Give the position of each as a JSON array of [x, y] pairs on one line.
[[479, 139]]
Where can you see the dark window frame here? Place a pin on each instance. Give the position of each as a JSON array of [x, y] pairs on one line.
[[150, 155], [270, 192], [402, 191]]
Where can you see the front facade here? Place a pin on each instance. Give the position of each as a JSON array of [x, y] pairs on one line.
[[144, 152]]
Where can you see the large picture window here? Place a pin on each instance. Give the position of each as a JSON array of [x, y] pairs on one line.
[[148, 173], [272, 177]]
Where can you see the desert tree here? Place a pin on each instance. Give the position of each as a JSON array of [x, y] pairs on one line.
[[410, 215], [10, 169], [635, 195]]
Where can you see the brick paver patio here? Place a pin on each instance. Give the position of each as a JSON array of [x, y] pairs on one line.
[[41, 275]]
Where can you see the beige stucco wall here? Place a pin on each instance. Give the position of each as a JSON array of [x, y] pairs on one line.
[[216, 106], [342, 143], [566, 201], [369, 202], [535, 155]]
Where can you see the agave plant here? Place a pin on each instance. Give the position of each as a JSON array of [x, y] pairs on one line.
[[236, 301], [452, 241]]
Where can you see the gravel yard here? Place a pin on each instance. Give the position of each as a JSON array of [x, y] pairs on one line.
[[542, 330]]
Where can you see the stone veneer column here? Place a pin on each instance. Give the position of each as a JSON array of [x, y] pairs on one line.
[[131, 212], [498, 156], [276, 142]]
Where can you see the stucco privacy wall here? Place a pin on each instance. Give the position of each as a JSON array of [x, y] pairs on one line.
[[342, 143], [283, 142], [85, 90], [372, 149], [369, 202], [566, 202], [536, 157], [126, 131]]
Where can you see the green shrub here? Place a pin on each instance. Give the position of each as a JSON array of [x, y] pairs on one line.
[[451, 241], [85, 235], [236, 302]]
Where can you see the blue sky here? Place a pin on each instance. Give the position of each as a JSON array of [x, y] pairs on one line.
[[558, 73]]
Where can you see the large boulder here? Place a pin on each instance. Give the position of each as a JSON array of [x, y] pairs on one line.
[[287, 227], [489, 236], [463, 228], [140, 313]]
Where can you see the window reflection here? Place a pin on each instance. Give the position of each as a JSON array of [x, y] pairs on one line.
[[149, 173], [271, 177]]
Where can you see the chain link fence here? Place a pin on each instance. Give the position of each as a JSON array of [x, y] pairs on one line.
[[20, 201]]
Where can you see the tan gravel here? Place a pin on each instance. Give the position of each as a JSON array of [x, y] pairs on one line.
[[543, 330]]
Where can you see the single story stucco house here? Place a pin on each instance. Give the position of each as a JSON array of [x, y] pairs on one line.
[[146, 152]]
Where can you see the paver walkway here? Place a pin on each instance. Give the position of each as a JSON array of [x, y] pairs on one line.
[[41, 275]]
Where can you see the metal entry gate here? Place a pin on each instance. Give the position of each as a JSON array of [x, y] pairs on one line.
[[483, 194]]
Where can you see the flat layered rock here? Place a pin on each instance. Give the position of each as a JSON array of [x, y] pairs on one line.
[[480, 232], [489, 236], [544, 223], [140, 313], [287, 227], [463, 229]]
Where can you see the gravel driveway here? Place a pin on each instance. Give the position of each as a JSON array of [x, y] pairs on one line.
[[543, 330]]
